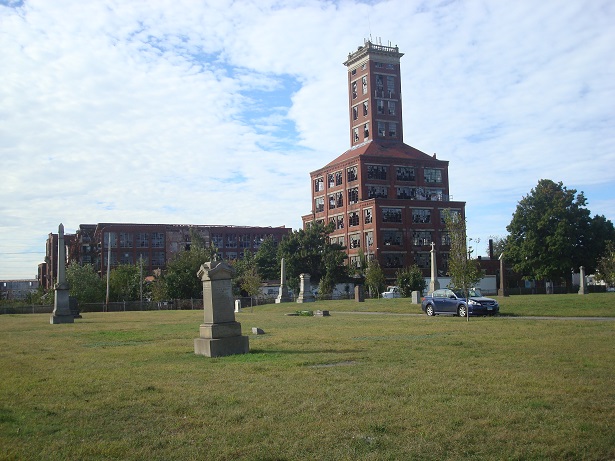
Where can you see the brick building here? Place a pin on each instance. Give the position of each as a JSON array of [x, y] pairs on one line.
[[156, 244], [384, 197]]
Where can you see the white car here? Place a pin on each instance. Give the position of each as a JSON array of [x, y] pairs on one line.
[[392, 292]]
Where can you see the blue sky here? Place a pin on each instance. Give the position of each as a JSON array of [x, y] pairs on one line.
[[215, 112]]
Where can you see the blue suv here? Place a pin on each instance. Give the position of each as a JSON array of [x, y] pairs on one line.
[[447, 301]]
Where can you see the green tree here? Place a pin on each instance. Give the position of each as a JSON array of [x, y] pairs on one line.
[[266, 259], [309, 251], [606, 265], [498, 245], [410, 279], [463, 271], [246, 280], [180, 281], [374, 277], [124, 283], [85, 284], [551, 232]]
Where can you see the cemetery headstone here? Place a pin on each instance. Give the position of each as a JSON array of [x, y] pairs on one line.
[[582, 282], [305, 292], [433, 283], [220, 335], [283, 296], [61, 302]]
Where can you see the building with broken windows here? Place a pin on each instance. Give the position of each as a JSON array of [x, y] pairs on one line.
[[154, 244], [384, 197]]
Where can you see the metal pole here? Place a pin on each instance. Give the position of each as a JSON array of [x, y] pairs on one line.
[[108, 269]]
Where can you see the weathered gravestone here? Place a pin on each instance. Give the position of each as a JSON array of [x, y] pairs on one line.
[[305, 292], [283, 296], [61, 302], [582, 282], [220, 335], [359, 293], [433, 282]]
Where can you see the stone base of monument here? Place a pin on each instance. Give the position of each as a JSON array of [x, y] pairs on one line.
[[61, 308], [221, 339]]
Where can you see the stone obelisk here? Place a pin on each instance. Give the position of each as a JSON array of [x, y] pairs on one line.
[[61, 304], [283, 293], [433, 283]]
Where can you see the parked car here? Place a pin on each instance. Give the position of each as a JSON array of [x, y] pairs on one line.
[[392, 292], [447, 301]]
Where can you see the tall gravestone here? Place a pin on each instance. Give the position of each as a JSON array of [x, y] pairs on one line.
[[433, 283], [220, 335], [61, 302], [582, 283], [283, 296], [502, 291], [305, 292]]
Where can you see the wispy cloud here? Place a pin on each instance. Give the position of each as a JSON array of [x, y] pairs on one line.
[[215, 112]]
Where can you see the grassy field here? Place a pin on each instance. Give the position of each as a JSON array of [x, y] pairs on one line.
[[375, 387]]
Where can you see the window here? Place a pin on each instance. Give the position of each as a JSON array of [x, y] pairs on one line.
[[331, 180], [392, 237], [393, 260], [257, 240], [391, 107], [392, 130], [433, 175], [381, 129], [444, 257], [365, 108], [244, 241], [366, 131], [113, 260], [377, 192], [422, 260], [217, 241], [369, 239], [157, 240], [379, 65], [421, 238], [434, 194], [319, 185], [380, 106], [351, 174], [405, 173], [354, 90], [331, 201], [125, 258], [421, 216], [379, 82], [364, 83], [338, 178], [158, 258], [405, 193], [113, 239], [339, 222], [367, 216], [319, 204], [142, 240], [231, 241], [353, 219], [391, 215], [125, 240], [391, 85], [339, 199], [355, 112], [445, 238], [353, 195], [377, 172], [354, 240], [355, 134], [353, 71]]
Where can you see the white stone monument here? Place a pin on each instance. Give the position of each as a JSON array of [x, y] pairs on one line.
[[305, 292], [582, 282], [61, 302], [220, 335], [433, 283], [283, 296]]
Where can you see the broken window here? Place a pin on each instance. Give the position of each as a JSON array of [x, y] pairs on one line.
[[157, 240], [142, 240], [113, 239], [244, 241], [456, 214], [319, 204], [355, 112], [354, 90], [392, 130], [445, 238], [391, 107], [380, 106], [391, 215], [381, 129], [353, 195], [377, 172], [369, 239], [331, 180], [125, 240], [405, 193], [351, 174], [422, 260], [338, 178], [158, 258], [364, 84], [421, 216], [231, 241], [113, 260], [379, 82], [354, 240], [433, 175], [355, 261], [421, 238], [365, 106], [355, 134], [434, 194], [217, 240], [353, 219], [377, 192], [405, 173], [257, 240], [331, 201], [393, 260], [339, 199], [366, 131], [392, 237], [319, 185], [367, 215], [391, 85]]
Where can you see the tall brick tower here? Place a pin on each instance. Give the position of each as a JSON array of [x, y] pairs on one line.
[[384, 197]]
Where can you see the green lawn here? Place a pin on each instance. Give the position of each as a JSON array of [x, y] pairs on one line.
[[375, 387]]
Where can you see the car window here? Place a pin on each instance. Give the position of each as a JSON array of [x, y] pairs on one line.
[[438, 294]]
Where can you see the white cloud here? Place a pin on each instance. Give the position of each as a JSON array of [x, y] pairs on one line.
[[199, 112]]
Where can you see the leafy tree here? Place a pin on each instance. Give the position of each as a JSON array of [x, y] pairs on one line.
[[551, 232], [410, 279], [374, 277], [85, 284], [606, 264], [266, 259], [124, 283], [463, 271], [498, 245], [309, 251], [180, 280], [246, 279]]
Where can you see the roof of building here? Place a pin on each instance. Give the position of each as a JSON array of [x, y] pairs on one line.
[[376, 149]]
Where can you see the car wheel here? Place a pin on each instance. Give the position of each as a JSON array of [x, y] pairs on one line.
[[461, 310], [429, 310]]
